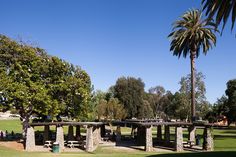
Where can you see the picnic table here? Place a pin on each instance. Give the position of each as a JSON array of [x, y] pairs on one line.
[[73, 144]]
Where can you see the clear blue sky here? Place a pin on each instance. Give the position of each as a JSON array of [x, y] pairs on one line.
[[114, 38]]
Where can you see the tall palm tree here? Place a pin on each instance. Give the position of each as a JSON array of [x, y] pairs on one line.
[[221, 9], [191, 34]]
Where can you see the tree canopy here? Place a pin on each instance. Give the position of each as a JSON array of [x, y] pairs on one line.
[[32, 82]]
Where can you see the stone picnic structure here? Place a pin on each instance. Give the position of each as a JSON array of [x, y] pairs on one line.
[[141, 134]]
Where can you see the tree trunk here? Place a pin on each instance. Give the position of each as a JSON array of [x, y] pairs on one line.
[[192, 58]]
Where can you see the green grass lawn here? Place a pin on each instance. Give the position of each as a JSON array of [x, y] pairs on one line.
[[225, 145]]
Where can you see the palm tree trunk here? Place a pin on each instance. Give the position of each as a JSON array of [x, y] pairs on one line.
[[192, 58]]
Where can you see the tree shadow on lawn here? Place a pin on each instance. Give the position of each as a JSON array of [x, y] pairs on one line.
[[221, 137], [202, 154]]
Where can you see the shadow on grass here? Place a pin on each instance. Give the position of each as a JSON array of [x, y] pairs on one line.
[[202, 154], [222, 137]]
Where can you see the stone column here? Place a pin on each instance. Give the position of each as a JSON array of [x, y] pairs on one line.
[[149, 145], [208, 143], [30, 139], [141, 132], [96, 138], [159, 133], [192, 130], [167, 135], [99, 133], [46, 133], [70, 133], [178, 138], [60, 137], [89, 139], [77, 132], [118, 134]]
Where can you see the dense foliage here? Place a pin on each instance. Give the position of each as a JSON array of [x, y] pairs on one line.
[[130, 92], [33, 82]]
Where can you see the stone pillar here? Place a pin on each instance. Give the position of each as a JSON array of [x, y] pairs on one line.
[[46, 133], [118, 134], [159, 133], [178, 139], [167, 135], [149, 145], [77, 132], [191, 135], [103, 130], [96, 139], [99, 133], [60, 137], [208, 143], [70, 133], [89, 139], [141, 132], [30, 139]]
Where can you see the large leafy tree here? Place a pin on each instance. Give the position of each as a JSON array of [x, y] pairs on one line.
[[190, 35], [130, 92], [33, 82], [222, 10]]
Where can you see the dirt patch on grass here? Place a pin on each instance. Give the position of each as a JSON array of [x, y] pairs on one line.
[[12, 145]]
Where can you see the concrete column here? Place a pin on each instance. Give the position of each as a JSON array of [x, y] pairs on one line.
[[167, 135], [118, 134], [159, 133], [30, 139], [179, 138], [208, 142], [149, 145], [77, 132], [192, 131], [70, 133], [89, 139], [141, 132], [46, 133], [60, 137]]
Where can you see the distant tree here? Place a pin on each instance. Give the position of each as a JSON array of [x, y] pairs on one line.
[[191, 34], [221, 10], [182, 106], [231, 93], [202, 106], [130, 92], [154, 97], [110, 110], [101, 109], [219, 109]]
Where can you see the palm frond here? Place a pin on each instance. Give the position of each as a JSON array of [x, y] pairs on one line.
[[221, 10], [192, 33]]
